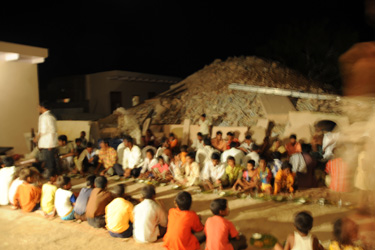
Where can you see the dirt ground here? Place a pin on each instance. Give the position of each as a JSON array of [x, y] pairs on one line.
[[31, 231]]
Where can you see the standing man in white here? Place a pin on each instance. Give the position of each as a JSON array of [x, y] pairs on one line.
[[47, 140], [204, 126]]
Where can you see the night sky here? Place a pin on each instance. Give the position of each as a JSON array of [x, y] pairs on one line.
[[178, 38]]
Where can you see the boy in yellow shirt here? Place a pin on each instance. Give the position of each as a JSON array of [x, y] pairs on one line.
[[119, 214]]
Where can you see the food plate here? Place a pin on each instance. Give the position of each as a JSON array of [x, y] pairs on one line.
[[257, 236], [279, 198], [176, 187], [265, 241]]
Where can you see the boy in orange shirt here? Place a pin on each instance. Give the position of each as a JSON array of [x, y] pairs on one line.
[[181, 224], [27, 196], [284, 179], [221, 233]]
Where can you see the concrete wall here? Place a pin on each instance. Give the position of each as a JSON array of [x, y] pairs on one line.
[[98, 88], [72, 129], [19, 99]]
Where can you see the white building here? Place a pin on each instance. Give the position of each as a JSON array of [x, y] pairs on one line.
[[19, 94]]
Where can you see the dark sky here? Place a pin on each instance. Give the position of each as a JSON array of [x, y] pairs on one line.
[[176, 38]]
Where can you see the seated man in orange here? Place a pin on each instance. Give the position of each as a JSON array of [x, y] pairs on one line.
[[173, 142], [293, 146]]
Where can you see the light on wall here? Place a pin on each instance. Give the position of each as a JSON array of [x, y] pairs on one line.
[[9, 56]]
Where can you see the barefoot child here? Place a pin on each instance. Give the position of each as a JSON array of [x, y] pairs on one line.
[[64, 199], [233, 172], [182, 222], [249, 178], [149, 162], [301, 239], [265, 176], [161, 170], [221, 234], [47, 202]]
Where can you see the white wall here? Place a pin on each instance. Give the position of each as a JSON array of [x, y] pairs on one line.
[[72, 129], [19, 99]]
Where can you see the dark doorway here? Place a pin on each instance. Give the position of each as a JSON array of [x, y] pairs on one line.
[[116, 100]]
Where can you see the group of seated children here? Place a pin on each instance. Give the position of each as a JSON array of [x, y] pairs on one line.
[[216, 174], [147, 220]]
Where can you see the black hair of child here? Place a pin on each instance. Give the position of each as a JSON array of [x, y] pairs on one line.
[[303, 221], [286, 165], [101, 182], [62, 181], [183, 200], [90, 180], [218, 205], [148, 192], [215, 156]]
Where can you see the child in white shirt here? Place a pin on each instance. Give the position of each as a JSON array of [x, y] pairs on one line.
[[64, 199]]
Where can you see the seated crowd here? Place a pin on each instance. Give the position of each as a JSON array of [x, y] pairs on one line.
[[210, 163]]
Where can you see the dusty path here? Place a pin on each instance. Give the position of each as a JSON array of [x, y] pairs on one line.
[[31, 231]]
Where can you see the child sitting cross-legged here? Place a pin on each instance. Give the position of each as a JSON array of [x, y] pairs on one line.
[[249, 178], [150, 218], [264, 176], [284, 179], [177, 168], [64, 198], [161, 170], [27, 196], [233, 172], [221, 234], [148, 163], [47, 202], [192, 171], [301, 238], [182, 224], [83, 198], [119, 214]]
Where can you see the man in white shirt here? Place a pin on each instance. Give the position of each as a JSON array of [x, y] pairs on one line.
[[246, 145], [150, 218], [204, 126], [253, 155], [203, 155], [132, 158], [47, 140], [198, 143], [233, 151], [213, 172]]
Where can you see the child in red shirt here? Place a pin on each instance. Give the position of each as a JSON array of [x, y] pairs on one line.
[[181, 224], [221, 233], [27, 196]]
